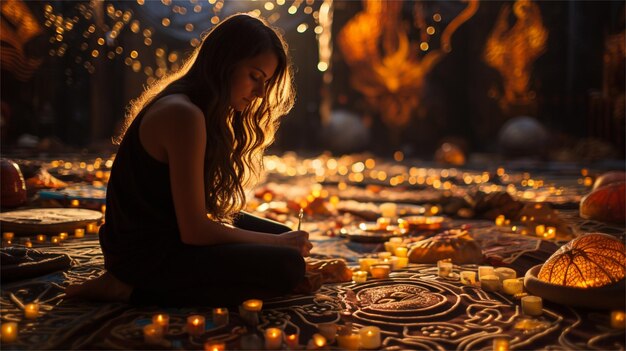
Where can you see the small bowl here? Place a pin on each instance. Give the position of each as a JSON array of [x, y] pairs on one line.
[[605, 297]]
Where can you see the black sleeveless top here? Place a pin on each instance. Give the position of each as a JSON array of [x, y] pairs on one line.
[[140, 222]]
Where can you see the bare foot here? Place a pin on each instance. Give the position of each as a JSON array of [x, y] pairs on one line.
[[104, 288]]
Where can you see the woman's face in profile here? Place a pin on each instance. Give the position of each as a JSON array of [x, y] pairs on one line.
[[249, 79]]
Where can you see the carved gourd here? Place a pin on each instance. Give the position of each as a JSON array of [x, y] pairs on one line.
[[589, 261], [605, 204]]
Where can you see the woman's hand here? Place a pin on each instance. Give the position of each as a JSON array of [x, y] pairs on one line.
[[297, 239]]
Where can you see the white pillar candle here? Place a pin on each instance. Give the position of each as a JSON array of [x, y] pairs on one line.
[[359, 276], [31, 310], [195, 324], [214, 346], [396, 240], [505, 273], [500, 344], [444, 268], [220, 316], [403, 262], [273, 338], [468, 277], [253, 305], [152, 334], [9, 332], [380, 271], [366, 263], [383, 255], [490, 282], [349, 342], [370, 337], [512, 286], [401, 251], [328, 330], [388, 209], [532, 305], [163, 320], [617, 319], [485, 270]]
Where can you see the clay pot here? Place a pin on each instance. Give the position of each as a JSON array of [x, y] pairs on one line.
[[12, 184]]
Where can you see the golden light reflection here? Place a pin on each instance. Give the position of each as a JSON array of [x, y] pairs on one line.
[[512, 51], [384, 67]]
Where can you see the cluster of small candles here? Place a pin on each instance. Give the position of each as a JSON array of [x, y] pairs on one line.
[[541, 230], [8, 238]]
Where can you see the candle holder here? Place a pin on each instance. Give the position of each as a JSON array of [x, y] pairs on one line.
[[195, 325], [163, 320]]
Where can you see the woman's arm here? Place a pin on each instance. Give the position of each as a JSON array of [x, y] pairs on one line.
[[175, 129]]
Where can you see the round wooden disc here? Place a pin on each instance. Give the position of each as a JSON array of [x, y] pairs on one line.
[[47, 220]]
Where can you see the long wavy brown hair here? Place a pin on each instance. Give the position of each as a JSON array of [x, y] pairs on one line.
[[236, 141]]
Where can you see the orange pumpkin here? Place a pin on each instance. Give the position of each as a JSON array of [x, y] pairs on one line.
[[609, 178], [589, 261], [606, 204], [455, 244]]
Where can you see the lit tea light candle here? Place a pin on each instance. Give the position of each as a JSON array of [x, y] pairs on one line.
[[103, 208], [388, 209], [31, 310], [468, 277], [253, 305], [617, 319], [500, 344], [40, 238], [220, 316], [8, 236], [79, 232], [512, 286], [328, 331], [401, 251], [74, 203], [55, 240], [370, 337], [9, 332], [152, 334], [317, 342], [366, 263], [500, 220], [383, 222], [359, 276], [349, 342], [485, 270], [162, 320], [532, 305], [92, 228], [273, 338], [391, 247], [444, 268], [28, 243], [292, 341], [490, 282], [540, 230], [195, 324], [63, 236], [505, 273], [380, 271], [550, 233], [214, 346]]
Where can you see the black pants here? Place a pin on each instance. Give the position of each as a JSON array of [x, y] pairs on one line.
[[222, 275]]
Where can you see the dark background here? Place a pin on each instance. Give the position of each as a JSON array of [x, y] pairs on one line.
[[63, 105]]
